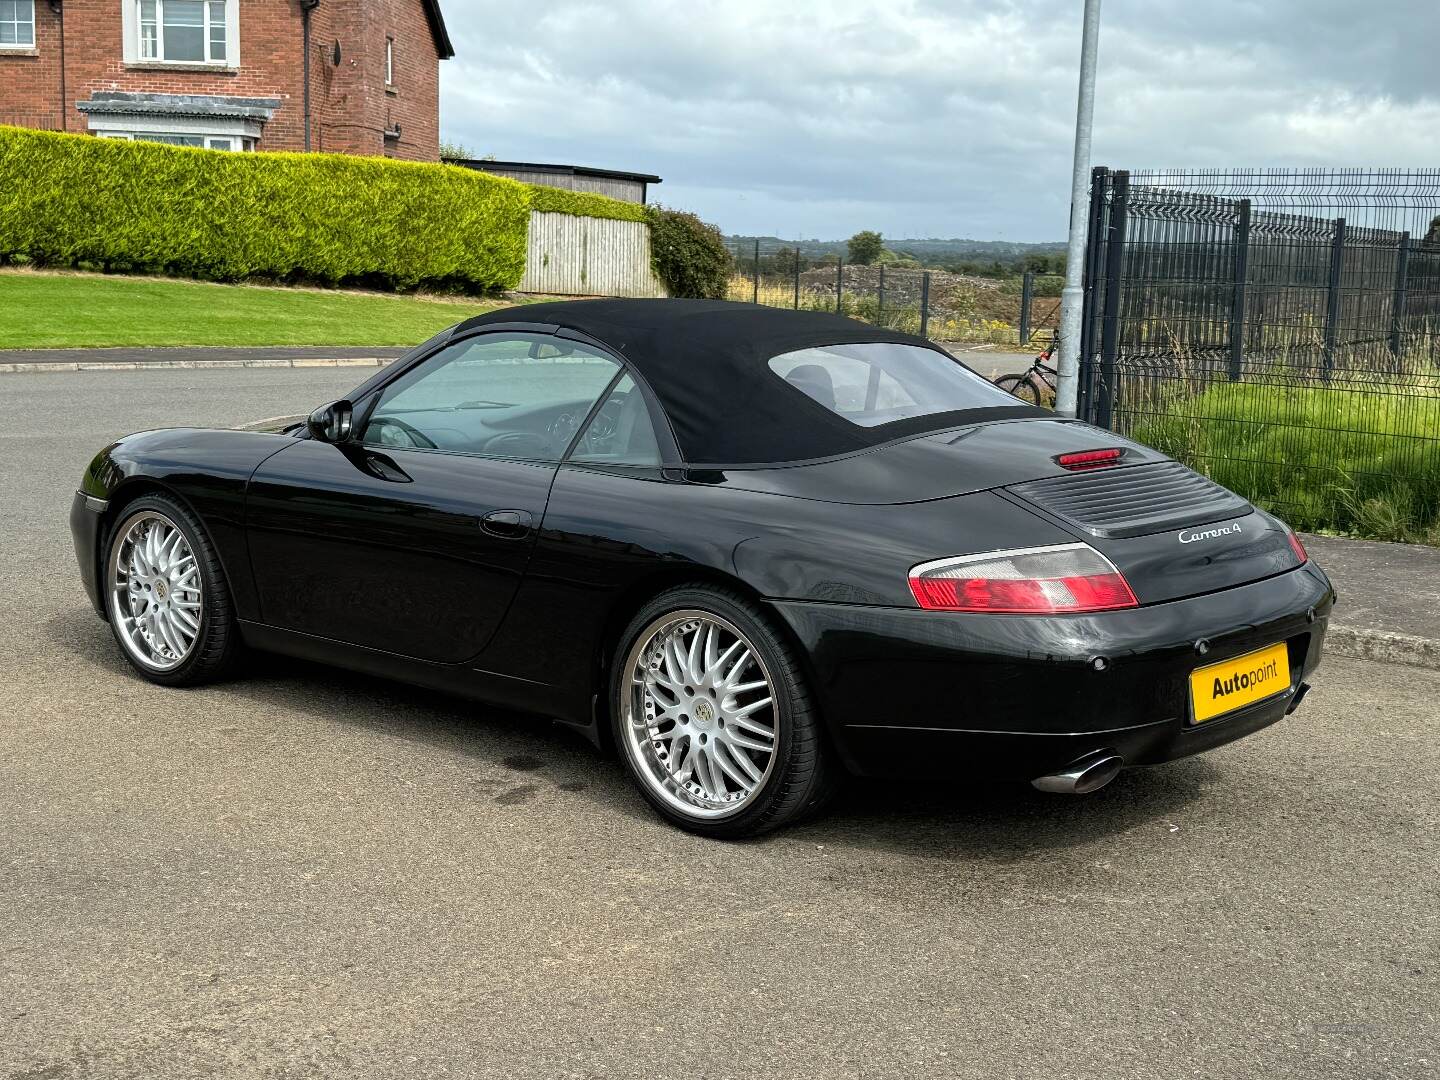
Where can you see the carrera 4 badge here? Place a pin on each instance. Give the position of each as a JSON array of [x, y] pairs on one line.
[[1190, 536]]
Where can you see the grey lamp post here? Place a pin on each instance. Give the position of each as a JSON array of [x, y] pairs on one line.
[[1072, 298]]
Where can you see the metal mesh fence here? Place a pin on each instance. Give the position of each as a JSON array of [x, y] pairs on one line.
[[1279, 331], [932, 303]]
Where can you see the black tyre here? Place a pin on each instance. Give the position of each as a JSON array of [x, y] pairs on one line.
[[1021, 386], [166, 595], [713, 717]]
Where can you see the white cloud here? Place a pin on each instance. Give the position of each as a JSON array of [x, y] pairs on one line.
[[927, 117]]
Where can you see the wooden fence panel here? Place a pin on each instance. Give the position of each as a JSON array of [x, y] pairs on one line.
[[586, 256]]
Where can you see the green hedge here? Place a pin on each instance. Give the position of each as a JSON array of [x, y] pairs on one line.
[[333, 219], [687, 254], [583, 204], [330, 218]]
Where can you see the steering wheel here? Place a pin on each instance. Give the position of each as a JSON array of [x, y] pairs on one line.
[[601, 433], [529, 444], [389, 431]]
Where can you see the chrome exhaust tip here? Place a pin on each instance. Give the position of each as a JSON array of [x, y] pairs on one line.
[[1083, 775]]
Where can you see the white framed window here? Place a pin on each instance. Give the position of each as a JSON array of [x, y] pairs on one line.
[[389, 61], [182, 32], [17, 24], [204, 142], [174, 140]]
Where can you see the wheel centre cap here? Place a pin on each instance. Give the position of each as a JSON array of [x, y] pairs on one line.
[[161, 589], [704, 712]]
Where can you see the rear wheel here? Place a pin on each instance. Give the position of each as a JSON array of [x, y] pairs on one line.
[[1021, 386], [713, 716], [166, 596]]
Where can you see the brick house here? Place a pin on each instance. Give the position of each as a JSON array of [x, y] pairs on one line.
[[230, 74]]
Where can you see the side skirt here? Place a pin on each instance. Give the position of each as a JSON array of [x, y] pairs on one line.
[[502, 691]]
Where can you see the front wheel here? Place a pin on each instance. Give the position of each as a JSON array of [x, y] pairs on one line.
[[166, 595], [1021, 386], [713, 717]]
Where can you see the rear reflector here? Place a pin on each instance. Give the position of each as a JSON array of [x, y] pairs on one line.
[[1090, 459], [1066, 578]]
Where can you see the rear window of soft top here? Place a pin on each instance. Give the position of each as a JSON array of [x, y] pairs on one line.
[[880, 382]]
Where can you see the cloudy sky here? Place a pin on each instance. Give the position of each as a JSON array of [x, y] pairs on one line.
[[817, 118]]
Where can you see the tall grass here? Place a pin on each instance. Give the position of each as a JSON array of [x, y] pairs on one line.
[[1354, 456]]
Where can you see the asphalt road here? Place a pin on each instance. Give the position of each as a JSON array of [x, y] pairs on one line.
[[306, 873]]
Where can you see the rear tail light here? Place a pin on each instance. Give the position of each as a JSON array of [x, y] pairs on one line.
[[1090, 459], [1046, 580], [1296, 546]]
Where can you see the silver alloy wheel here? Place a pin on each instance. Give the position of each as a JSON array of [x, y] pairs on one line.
[[156, 594], [700, 715]]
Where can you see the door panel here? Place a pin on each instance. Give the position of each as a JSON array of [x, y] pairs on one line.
[[387, 549], [412, 536]]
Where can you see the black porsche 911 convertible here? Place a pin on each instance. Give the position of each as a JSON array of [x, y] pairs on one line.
[[753, 549]]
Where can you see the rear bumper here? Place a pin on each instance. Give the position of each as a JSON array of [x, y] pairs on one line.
[[86, 512], [909, 691]]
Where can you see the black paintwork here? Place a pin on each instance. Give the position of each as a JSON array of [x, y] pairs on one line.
[[208, 469], [1025, 695], [384, 562], [377, 549]]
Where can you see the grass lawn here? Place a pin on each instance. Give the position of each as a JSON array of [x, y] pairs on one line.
[[67, 310]]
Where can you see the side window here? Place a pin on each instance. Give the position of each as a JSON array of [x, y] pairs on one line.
[[620, 433], [504, 395], [843, 384]]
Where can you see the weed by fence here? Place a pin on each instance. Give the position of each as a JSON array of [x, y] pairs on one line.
[[1279, 331], [931, 303]]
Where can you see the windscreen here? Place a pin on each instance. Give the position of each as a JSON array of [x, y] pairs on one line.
[[881, 382]]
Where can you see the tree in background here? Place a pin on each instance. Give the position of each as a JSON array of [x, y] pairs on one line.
[[789, 260], [865, 247], [900, 260], [454, 151], [1044, 264]]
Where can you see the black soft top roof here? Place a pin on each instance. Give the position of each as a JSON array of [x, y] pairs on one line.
[[707, 361]]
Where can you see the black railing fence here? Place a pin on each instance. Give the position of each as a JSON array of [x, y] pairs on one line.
[[932, 303], [1279, 330]]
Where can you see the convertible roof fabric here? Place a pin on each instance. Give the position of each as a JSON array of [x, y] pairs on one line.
[[707, 362]]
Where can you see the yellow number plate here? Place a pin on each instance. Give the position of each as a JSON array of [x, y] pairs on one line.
[[1222, 688]]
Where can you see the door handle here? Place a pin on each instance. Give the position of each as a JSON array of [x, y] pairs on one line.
[[507, 524]]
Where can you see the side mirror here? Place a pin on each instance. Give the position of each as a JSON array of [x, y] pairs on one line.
[[331, 423]]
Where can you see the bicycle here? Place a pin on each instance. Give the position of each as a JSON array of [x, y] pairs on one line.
[[1036, 384]]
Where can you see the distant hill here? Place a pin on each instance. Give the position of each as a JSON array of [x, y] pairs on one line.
[[926, 250]]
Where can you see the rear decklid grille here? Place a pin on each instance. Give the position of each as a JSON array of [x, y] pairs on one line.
[[1133, 501]]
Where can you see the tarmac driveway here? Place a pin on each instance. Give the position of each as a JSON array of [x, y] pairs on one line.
[[307, 873]]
